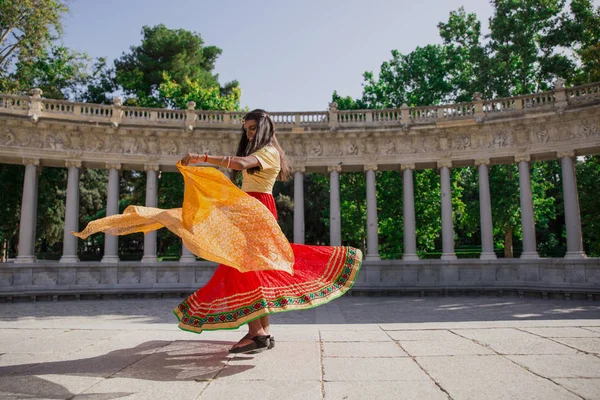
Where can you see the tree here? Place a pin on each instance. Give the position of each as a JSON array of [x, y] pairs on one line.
[[588, 184], [417, 79], [175, 95], [179, 53], [26, 28], [58, 71]]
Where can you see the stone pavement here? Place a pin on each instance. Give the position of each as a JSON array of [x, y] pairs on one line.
[[352, 348]]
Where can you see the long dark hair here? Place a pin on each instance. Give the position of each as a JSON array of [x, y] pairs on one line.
[[265, 135]]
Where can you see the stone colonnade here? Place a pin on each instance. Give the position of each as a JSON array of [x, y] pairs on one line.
[[571, 203]]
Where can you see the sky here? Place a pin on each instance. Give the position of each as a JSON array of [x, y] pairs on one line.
[[287, 55]]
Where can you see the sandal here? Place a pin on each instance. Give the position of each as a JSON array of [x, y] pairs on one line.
[[259, 343], [271, 342]]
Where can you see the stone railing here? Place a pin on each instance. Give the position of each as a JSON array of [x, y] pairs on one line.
[[544, 277], [116, 114]]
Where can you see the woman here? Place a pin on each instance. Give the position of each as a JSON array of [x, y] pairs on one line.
[[247, 291], [262, 161]]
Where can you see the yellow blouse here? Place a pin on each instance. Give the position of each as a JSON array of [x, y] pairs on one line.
[[263, 180]]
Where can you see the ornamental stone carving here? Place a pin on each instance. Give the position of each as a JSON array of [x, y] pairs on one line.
[[352, 138], [562, 154], [73, 163], [444, 163], [522, 157]]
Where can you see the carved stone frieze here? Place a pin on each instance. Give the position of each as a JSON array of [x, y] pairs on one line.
[[386, 145]]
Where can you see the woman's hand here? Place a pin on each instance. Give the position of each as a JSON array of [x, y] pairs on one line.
[[189, 158]]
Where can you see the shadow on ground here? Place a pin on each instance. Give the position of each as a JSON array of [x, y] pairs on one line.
[[163, 361]]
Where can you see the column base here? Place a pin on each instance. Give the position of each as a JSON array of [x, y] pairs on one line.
[[575, 255], [448, 256], [68, 259], [488, 256], [410, 257], [372, 257], [530, 255], [110, 259], [25, 259], [149, 259], [187, 259]]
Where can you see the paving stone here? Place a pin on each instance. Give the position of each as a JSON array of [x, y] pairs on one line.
[[49, 386], [436, 343], [372, 369], [362, 349], [287, 361], [561, 366], [264, 390], [513, 341], [489, 377], [354, 336], [142, 389], [405, 390], [589, 389], [590, 345], [572, 332]]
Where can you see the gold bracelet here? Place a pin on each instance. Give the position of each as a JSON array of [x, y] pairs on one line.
[[222, 160], [228, 162]]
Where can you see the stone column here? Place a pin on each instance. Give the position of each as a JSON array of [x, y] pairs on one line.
[[446, 198], [485, 211], [299, 205], [72, 213], [372, 224], [408, 212], [571, 200], [28, 212], [526, 199], [111, 242], [151, 201], [335, 223]]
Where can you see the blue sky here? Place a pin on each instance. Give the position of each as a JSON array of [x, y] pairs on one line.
[[287, 55]]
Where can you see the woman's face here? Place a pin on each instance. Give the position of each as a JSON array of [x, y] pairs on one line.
[[250, 128]]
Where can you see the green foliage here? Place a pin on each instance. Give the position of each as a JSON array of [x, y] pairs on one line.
[[27, 27], [11, 177], [58, 71], [179, 53], [588, 185], [176, 95]]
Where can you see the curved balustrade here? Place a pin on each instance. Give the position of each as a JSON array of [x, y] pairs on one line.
[[116, 114]]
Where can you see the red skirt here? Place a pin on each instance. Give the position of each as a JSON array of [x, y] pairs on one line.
[[232, 298]]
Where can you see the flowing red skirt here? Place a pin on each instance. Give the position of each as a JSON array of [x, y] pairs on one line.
[[232, 298]]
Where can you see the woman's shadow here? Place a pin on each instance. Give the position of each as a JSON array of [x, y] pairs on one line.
[[154, 360]]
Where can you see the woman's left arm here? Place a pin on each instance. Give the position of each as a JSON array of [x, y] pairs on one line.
[[232, 162]]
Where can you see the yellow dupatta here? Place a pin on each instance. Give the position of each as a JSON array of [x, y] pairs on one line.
[[217, 222]]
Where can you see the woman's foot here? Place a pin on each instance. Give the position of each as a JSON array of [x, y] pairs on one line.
[[252, 343]]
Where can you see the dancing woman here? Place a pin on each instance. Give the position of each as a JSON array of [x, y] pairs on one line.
[[234, 296]]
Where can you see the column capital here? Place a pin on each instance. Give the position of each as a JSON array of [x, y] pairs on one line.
[[566, 153], [370, 167], [482, 161], [334, 168], [73, 163], [444, 163], [116, 166], [407, 166], [151, 167], [31, 161], [299, 168], [522, 157]]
